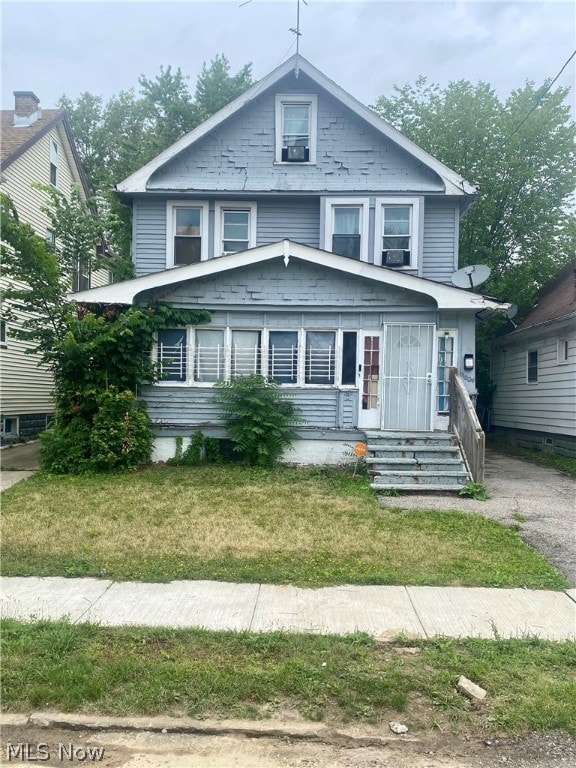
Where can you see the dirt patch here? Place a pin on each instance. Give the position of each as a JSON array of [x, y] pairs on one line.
[[143, 749]]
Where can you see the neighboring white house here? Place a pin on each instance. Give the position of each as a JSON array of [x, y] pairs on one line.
[[534, 373], [37, 147]]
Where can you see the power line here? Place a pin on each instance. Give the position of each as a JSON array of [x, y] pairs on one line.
[[540, 97]]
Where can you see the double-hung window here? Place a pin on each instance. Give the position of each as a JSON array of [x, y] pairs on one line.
[[346, 227], [397, 232], [187, 233], [296, 128], [235, 227], [320, 357], [283, 356]]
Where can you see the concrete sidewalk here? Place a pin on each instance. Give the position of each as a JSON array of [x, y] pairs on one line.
[[382, 612]]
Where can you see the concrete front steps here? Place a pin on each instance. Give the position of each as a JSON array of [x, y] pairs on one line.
[[416, 462]]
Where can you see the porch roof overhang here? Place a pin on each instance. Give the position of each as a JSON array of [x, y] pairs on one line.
[[130, 291]]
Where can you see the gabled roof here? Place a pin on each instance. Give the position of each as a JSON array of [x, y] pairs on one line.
[[128, 291], [16, 140], [454, 184], [556, 300]]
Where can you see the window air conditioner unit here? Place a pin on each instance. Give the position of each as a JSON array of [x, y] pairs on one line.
[[395, 257], [296, 154]]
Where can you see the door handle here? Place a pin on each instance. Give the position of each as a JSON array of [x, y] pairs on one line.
[[428, 378]]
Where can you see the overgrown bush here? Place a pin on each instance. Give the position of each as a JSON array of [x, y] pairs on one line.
[[200, 449], [117, 437], [259, 418]]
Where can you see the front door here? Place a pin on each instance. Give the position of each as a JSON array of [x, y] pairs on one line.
[[370, 372], [408, 376]]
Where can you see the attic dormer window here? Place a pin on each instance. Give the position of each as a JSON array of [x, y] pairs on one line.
[[296, 128]]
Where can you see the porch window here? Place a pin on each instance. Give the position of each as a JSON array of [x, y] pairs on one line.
[[445, 362], [172, 354], [283, 356], [532, 367], [320, 357], [245, 353], [209, 355], [187, 233], [349, 345], [296, 128]]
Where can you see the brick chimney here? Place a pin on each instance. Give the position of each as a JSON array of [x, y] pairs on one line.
[[26, 103]]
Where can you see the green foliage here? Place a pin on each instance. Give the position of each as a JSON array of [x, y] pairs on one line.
[[525, 170], [259, 418], [97, 354], [121, 435], [117, 436], [200, 449], [116, 138], [474, 490]]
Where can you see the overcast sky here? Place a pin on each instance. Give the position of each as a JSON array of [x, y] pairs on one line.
[[53, 48]]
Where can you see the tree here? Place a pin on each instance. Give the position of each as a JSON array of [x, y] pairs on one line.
[[520, 153], [117, 138], [215, 86], [97, 354]]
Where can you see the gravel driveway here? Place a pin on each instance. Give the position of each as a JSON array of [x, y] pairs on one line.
[[540, 501]]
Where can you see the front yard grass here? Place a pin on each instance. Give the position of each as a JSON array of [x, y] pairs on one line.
[[138, 671], [311, 527]]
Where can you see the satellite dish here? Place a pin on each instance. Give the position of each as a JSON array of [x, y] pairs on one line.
[[470, 277], [512, 311]]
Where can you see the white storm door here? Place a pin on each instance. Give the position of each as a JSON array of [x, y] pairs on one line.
[[370, 372], [408, 376]]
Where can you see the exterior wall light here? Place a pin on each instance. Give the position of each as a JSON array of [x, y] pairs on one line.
[[468, 362]]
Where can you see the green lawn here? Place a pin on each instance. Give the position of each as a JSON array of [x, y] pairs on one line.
[[135, 671], [308, 527]]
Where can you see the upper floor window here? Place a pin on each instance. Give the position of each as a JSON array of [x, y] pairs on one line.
[[532, 366], [235, 227], [187, 233], [397, 232], [296, 128], [562, 351], [53, 163], [346, 227]]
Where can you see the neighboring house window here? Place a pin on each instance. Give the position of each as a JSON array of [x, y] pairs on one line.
[[346, 227], [81, 279], [9, 426], [296, 120], [446, 346], [397, 226], [562, 351], [3, 333], [172, 354], [187, 233], [53, 163], [532, 367], [235, 227], [50, 239]]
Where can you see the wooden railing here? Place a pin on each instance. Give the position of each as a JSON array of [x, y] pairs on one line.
[[464, 423]]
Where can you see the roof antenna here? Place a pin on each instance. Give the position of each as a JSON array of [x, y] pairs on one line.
[[296, 31]]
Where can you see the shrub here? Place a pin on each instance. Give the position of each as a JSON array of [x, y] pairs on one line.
[[259, 418], [121, 436]]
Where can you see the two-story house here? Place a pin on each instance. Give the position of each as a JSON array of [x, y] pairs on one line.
[[37, 147], [322, 241]]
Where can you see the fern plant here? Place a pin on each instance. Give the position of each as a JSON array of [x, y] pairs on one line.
[[259, 418]]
